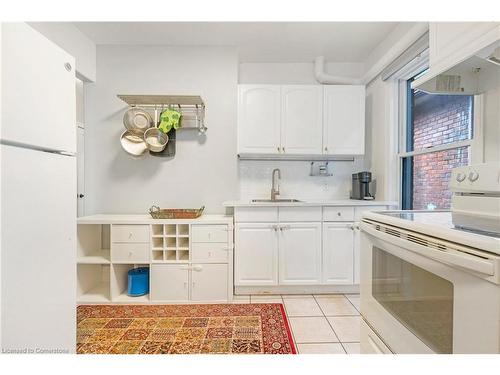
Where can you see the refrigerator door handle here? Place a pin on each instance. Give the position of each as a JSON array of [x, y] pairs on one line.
[[36, 148]]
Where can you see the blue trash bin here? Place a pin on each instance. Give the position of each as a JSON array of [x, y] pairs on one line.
[[138, 281]]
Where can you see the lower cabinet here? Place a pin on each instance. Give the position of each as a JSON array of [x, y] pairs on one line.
[[277, 254], [299, 253], [169, 282], [338, 253], [256, 254], [183, 282], [209, 282]]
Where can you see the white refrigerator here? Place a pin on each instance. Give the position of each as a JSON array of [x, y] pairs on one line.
[[38, 194]]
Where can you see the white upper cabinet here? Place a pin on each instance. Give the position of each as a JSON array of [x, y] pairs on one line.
[[344, 120], [300, 253], [259, 118], [38, 99], [450, 42], [301, 119]]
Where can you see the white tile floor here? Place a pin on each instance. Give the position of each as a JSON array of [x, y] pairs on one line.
[[320, 324]]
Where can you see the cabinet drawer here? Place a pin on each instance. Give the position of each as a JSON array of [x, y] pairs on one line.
[[210, 252], [338, 213], [255, 214], [209, 233], [299, 214], [130, 233], [130, 252], [358, 211]]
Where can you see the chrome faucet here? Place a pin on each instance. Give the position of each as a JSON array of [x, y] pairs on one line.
[[274, 191]]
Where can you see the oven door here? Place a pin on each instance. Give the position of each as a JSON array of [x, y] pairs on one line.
[[419, 299]]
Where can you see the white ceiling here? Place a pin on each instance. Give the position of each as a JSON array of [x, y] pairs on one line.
[[255, 41]]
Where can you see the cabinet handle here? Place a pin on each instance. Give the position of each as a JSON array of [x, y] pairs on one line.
[[185, 284], [352, 227], [130, 235], [197, 268], [326, 149], [278, 149], [283, 149]]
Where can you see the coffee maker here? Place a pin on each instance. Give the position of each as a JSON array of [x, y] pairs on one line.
[[361, 186]]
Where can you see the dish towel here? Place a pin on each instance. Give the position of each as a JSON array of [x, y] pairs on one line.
[[170, 118]]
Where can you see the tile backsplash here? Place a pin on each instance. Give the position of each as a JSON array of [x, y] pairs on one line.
[[255, 179]]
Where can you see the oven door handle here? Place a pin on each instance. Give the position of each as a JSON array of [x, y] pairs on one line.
[[451, 257]]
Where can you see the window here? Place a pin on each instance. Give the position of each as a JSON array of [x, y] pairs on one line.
[[438, 131]]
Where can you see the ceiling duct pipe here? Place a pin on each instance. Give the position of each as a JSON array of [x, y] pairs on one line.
[[327, 79]]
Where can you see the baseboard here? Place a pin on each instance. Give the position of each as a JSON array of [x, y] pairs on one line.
[[294, 289]]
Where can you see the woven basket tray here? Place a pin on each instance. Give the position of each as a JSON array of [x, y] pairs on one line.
[[175, 213]]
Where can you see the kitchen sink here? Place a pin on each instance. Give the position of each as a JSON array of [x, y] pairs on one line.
[[274, 200]]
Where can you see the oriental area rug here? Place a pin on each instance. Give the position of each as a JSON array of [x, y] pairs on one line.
[[184, 329]]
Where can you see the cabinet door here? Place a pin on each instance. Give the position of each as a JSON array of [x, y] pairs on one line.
[[447, 40], [256, 254], [357, 253], [344, 120], [169, 282], [300, 253], [38, 90], [338, 253], [301, 119], [259, 119], [209, 282]]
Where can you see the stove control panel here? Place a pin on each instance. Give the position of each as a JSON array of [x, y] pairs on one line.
[[477, 178]]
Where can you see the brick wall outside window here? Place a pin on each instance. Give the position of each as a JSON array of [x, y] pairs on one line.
[[437, 120]]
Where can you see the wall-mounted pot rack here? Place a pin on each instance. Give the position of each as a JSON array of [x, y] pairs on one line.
[[191, 107]]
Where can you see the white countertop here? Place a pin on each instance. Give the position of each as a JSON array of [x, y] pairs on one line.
[[147, 219], [309, 202]]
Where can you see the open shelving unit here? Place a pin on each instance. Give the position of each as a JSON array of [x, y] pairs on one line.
[[119, 283], [170, 243], [93, 244], [93, 283], [109, 246]]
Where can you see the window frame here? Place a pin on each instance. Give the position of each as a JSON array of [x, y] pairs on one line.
[[475, 144]]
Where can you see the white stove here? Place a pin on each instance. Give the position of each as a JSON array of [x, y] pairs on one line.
[[476, 197], [439, 224], [430, 280]]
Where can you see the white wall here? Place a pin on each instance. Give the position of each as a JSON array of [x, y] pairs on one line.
[[293, 73], [204, 170], [403, 36], [73, 41], [381, 137], [491, 125], [255, 179]]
